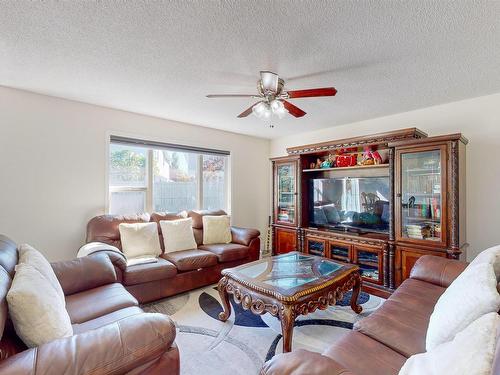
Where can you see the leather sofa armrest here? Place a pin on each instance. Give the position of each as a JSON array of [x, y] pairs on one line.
[[301, 362], [116, 348], [437, 270], [84, 273], [243, 236], [118, 259]]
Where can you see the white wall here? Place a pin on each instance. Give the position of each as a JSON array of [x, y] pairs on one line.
[[53, 167], [478, 119]]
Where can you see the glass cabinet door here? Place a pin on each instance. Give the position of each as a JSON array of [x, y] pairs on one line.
[[286, 194], [422, 196]]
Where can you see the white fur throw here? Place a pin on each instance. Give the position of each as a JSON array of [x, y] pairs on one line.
[[471, 295], [471, 352]]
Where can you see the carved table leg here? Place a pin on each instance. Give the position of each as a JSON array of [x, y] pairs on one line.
[[355, 294], [224, 296], [287, 318]]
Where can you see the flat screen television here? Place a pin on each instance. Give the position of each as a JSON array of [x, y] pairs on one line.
[[346, 203]]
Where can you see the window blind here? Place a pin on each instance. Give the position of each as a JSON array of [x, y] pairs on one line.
[[166, 146]]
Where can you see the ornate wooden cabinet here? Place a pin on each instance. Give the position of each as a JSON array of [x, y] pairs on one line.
[[429, 200], [286, 205], [424, 206]]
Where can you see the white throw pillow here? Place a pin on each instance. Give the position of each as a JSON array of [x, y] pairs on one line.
[[471, 295], [216, 229], [38, 314], [139, 239], [32, 257], [491, 256], [178, 235], [471, 352]]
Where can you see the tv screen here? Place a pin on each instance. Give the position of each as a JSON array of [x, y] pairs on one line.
[[360, 204]]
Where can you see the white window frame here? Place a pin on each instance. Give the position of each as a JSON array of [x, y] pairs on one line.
[[148, 189]]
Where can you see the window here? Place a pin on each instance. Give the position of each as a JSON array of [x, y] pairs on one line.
[[146, 176]]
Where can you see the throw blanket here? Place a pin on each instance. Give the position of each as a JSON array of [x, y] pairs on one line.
[[94, 247]]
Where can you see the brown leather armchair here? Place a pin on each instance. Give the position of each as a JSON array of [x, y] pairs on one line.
[[382, 342], [111, 335], [179, 271]]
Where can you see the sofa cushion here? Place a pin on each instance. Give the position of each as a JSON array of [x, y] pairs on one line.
[[227, 252], [36, 309], [216, 229], [166, 216], [362, 355], [188, 260], [104, 228], [31, 256], [97, 302], [139, 239], [198, 216], [106, 319], [85, 273], [143, 273], [472, 294], [471, 351], [401, 322]]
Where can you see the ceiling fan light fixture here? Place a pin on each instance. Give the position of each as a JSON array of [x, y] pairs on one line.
[[261, 110]]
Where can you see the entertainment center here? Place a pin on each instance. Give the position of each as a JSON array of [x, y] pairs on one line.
[[380, 201]]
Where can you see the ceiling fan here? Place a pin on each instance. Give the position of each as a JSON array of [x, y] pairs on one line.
[[274, 99]]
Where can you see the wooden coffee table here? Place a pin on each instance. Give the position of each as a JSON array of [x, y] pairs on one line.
[[287, 286]]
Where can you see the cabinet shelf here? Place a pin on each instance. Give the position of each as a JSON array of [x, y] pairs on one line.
[[346, 168]]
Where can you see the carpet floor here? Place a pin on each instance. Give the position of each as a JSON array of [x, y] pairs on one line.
[[243, 343]]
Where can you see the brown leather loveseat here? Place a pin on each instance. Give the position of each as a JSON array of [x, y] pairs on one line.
[[381, 343], [179, 271], [111, 333]]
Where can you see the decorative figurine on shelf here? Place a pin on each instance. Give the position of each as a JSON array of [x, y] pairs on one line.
[[318, 163], [329, 161], [367, 158], [312, 165]]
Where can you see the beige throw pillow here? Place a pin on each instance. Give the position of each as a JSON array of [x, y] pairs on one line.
[[36, 309], [216, 229], [139, 239], [32, 257], [471, 295], [471, 352], [178, 235]]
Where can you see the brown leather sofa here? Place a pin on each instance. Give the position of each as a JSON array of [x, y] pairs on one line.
[[112, 335], [179, 271], [382, 342]]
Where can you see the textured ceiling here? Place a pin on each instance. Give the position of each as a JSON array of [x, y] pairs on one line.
[[162, 58]]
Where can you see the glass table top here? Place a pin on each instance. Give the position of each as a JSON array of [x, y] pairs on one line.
[[289, 271]]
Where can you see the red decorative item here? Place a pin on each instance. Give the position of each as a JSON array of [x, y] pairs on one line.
[[346, 160]]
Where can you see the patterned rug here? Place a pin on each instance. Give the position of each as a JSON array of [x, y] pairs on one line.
[[243, 343]]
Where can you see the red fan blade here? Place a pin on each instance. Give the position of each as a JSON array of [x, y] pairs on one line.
[[246, 112], [293, 110], [325, 91], [232, 96]]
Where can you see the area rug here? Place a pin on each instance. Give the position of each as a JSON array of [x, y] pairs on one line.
[[243, 343]]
